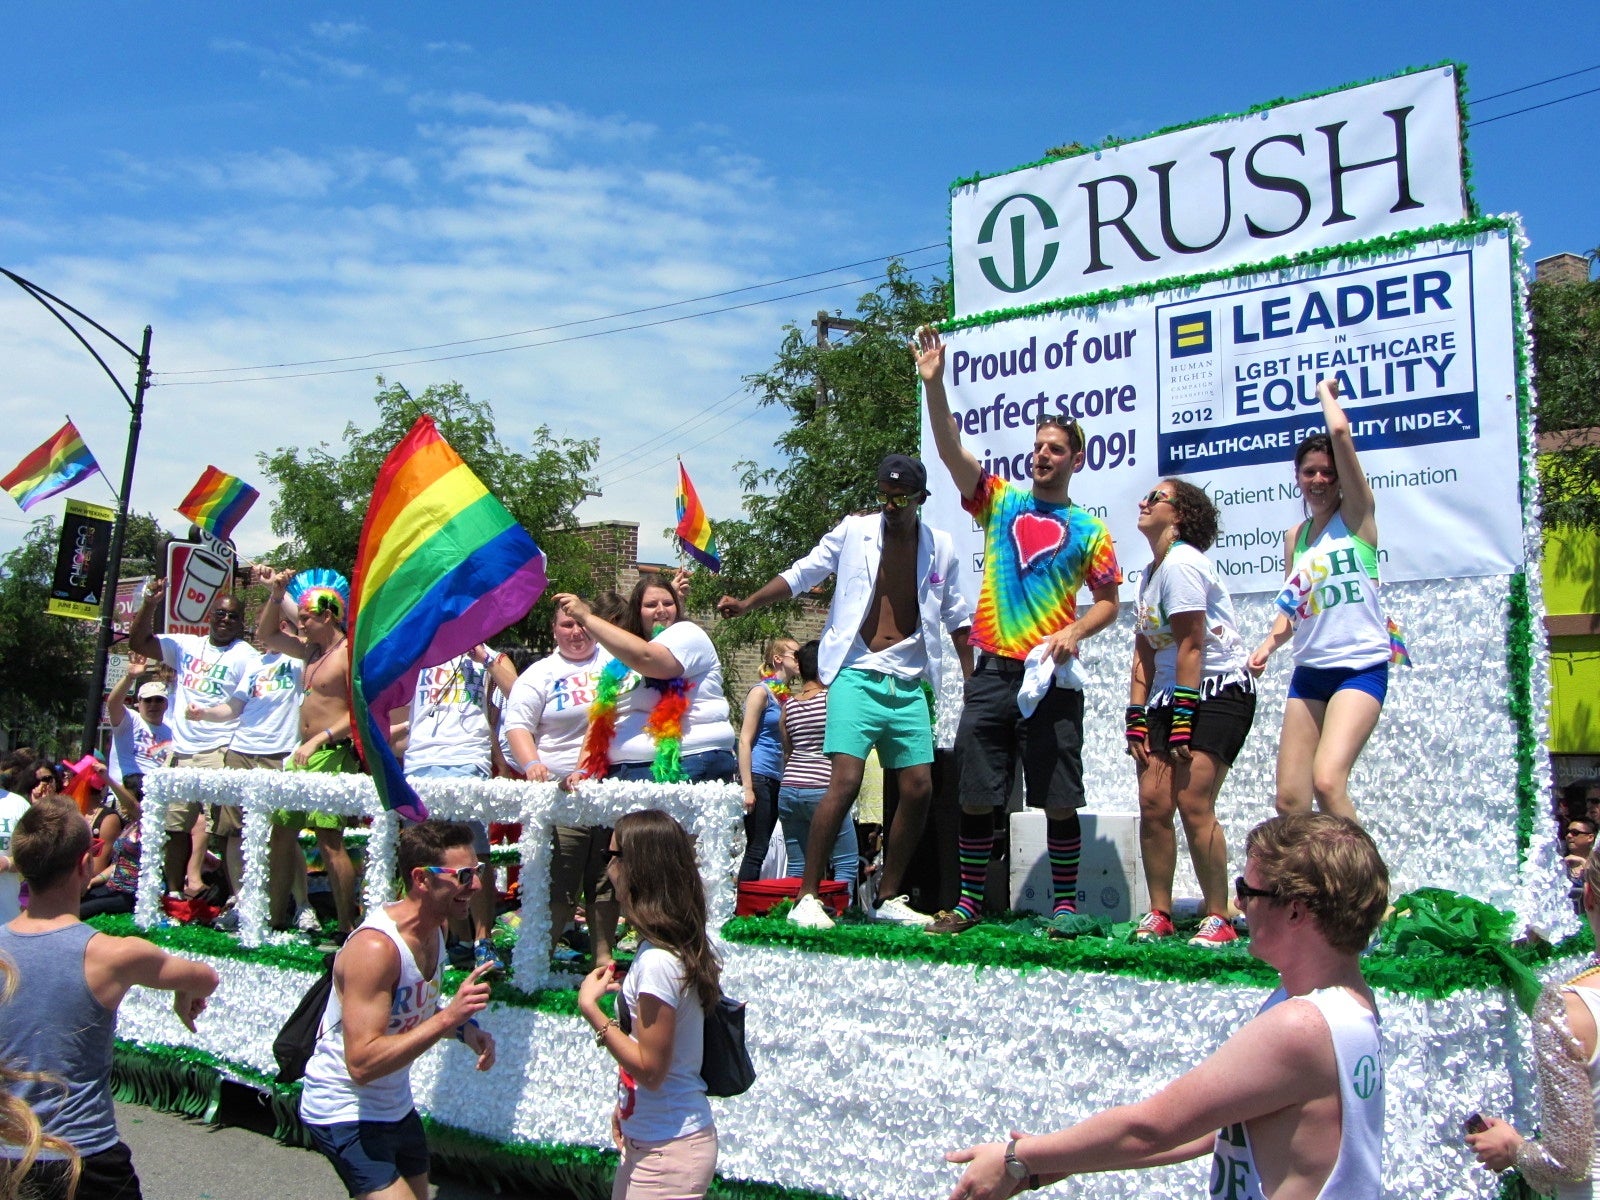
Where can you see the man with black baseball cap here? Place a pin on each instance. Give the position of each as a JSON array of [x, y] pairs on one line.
[[899, 581]]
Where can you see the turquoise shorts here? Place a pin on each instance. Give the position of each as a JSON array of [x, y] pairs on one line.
[[869, 708]]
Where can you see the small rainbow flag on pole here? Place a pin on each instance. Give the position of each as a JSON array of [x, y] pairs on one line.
[[54, 467], [694, 527], [218, 502], [442, 566]]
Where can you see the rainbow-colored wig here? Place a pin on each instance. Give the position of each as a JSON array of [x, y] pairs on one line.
[[321, 591]]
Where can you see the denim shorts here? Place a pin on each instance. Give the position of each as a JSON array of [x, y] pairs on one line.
[[371, 1155], [1320, 683]]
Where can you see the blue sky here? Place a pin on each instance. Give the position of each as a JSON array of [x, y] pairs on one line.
[[296, 182]]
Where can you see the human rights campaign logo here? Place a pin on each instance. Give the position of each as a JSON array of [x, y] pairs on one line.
[[1189, 334]]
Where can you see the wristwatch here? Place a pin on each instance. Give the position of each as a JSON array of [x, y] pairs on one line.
[[1017, 1171]]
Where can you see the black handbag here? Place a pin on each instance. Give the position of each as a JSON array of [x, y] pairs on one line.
[[725, 1062]]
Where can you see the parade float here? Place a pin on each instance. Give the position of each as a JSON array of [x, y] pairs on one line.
[[1095, 284]]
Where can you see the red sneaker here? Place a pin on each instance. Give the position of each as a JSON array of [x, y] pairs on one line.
[[1214, 932], [1156, 924]]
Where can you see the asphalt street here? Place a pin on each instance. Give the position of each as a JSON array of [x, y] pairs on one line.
[[179, 1158]]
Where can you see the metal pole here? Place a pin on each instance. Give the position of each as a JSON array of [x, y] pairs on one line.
[[108, 596]]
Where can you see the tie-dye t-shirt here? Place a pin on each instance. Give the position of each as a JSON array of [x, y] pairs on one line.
[[1036, 557]]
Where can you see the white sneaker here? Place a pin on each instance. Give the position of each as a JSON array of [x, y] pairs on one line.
[[808, 913], [898, 910], [305, 920], [228, 922]]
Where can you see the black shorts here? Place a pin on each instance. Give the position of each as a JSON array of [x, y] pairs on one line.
[[108, 1175], [1221, 723], [370, 1155], [993, 732]]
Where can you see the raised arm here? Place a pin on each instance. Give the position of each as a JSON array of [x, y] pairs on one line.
[[1356, 504], [141, 634], [116, 702], [269, 625], [650, 659], [958, 460]]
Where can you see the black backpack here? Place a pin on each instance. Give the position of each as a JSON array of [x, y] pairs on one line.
[[296, 1041]]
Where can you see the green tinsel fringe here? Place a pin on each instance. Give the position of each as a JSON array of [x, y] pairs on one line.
[[1519, 663], [1442, 944], [1346, 251], [183, 1080]]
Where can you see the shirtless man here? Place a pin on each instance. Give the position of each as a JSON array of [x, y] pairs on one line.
[[1290, 1106], [325, 744], [898, 581]]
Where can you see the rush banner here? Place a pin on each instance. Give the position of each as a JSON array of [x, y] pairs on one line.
[[1343, 167]]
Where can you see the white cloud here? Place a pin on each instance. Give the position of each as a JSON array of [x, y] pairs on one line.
[[495, 217]]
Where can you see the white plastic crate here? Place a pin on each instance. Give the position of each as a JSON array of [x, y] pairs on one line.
[[1110, 875]]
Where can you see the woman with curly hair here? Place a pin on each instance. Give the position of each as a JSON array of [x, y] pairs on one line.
[[662, 1123], [1191, 703], [1329, 605]]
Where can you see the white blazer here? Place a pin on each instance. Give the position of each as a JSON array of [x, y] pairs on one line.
[[851, 551]]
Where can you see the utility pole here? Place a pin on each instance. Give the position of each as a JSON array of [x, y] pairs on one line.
[[135, 402], [825, 324]]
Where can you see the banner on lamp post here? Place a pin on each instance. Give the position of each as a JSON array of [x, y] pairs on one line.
[[77, 587]]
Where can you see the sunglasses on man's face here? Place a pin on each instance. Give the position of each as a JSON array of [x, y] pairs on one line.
[[905, 501], [1242, 891], [463, 876]]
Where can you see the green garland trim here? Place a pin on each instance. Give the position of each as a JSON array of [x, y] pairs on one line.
[[185, 1080], [1522, 639], [1439, 944], [197, 939], [1379, 247], [1111, 142]]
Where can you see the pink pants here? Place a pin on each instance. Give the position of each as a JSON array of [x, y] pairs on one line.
[[676, 1169]]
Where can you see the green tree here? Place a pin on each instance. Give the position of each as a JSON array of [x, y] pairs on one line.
[[849, 403], [44, 660], [1566, 356], [323, 498]]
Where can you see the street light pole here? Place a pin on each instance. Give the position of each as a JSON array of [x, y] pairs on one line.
[[135, 402]]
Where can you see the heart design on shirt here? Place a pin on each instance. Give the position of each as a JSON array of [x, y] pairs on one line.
[[1036, 537]]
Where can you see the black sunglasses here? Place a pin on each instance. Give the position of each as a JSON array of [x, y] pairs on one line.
[[609, 855], [1242, 891]]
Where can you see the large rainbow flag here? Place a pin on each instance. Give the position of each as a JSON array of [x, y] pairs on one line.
[[54, 467], [218, 502], [694, 527], [441, 567]]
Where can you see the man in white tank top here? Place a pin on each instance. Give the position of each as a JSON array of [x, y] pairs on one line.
[[384, 1013], [1291, 1106]]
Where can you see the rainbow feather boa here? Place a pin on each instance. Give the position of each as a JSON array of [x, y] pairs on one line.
[[665, 725]]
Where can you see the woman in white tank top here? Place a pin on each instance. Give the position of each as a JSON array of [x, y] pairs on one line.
[[1329, 605], [1560, 1161]]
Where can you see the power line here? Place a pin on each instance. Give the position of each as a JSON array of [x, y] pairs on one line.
[[417, 362], [1530, 86], [1517, 112], [632, 312]]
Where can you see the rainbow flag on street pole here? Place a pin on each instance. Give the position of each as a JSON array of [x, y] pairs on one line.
[[60, 463], [218, 502], [694, 527], [441, 567]]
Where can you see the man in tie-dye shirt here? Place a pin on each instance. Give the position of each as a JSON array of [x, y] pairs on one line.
[[1039, 550]]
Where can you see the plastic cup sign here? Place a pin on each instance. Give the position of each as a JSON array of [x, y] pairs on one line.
[[197, 572]]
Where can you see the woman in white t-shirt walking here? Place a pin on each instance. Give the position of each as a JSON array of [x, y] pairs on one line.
[[662, 1123], [1191, 703]]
